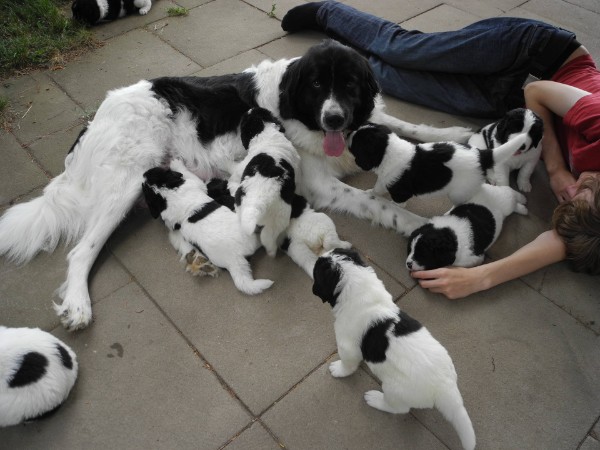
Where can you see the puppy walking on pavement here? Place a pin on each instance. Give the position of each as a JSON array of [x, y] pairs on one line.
[[415, 370]]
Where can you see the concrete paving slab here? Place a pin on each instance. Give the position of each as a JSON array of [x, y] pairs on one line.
[[254, 438], [326, 412], [477, 8], [390, 10], [276, 8], [235, 64], [51, 150], [234, 25], [19, 174], [291, 46], [440, 18], [124, 60], [590, 444], [569, 15], [550, 362], [140, 386]]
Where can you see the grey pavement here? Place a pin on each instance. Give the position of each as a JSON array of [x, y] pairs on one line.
[[173, 361]]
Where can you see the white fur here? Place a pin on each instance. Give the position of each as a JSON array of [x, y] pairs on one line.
[[219, 234], [262, 204], [501, 201], [524, 161], [417, 371], [29, 401]]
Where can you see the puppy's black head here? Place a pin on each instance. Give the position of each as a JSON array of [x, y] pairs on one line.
[[253, 123], [159, 178], [536, 132], [86, 11], [328, 70], [369, 144], [431, 248], [327, 274]]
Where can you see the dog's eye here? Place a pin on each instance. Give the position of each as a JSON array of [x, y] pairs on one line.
[[316, 84]]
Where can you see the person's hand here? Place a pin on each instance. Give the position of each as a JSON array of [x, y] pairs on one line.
[[572, 189], [453, 282], [561, 183]]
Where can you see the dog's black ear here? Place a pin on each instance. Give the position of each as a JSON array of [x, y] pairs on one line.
[[369, 145], [288, 88], [369, 89], [156, 203], [512, 122], [537, 130], [163, 178], [350, 255], [326, 275]]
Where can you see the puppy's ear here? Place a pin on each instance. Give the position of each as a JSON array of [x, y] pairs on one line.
[[511, 123], [350, 255], [156, 203], [369, 145], [326, 275]]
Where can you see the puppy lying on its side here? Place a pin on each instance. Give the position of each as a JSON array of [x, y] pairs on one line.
[[91, 12], [415, 369], [309, 235], [37, 372], [462, 235], [405, 170], [515, 122], [195, 220], [265, 181]]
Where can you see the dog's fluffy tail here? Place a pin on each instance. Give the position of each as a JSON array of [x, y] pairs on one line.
[[450, 404], [39, 224], [506, 150]]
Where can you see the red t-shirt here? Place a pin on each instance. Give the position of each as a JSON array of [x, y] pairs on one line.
[[579, 131]]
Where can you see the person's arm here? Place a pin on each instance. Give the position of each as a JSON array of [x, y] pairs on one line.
[[458, 282], [547, 98]]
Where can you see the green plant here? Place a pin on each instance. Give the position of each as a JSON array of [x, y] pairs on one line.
[[177, 11], [272, 12]]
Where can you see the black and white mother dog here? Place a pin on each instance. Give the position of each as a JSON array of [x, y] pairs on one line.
[[319, 97]]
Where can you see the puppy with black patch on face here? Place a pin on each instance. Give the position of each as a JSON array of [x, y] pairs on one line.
[[415, 370], [309, 235], [515, 122], [91, 12], [37, 372], [405, 169], [265, 180], [196, 221], [462, 235]]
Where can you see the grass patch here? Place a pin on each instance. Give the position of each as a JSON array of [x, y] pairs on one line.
[[271, 13], [36, 33], [174, 11]]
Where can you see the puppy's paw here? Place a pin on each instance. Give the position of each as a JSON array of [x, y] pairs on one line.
[[524, 185], [375, 399], [199, 265], [521, 209], [74, 317], [339, 370], [258, 286], [458, 134]]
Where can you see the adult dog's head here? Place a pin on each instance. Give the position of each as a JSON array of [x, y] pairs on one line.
[[331, 88]]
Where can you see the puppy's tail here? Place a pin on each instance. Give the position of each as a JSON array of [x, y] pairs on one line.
[[39, 224], [450, 404], [506, 150]]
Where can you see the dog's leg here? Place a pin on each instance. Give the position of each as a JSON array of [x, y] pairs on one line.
[[240, 272], [303, 256], [323, 190], [143, 5], [524, 175], [350, 358], [423, 133], [196, 263], [500, 175], [377, 400]]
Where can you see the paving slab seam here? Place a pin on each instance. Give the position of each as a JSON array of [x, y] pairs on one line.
[[32, 158], [277, 440], [18, 198], [578, 5], [590, 433]]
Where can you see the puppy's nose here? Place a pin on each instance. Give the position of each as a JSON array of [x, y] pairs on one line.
[[334, 121], [409, 265]]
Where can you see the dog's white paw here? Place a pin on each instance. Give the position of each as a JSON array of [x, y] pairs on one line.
[[144, 11], [375, 399], [524, 186], [458, 134], [74, 317], [521, 209], [339, 370], [258, 286]]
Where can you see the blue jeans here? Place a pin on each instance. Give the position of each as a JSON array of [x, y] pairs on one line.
[[477, 71]]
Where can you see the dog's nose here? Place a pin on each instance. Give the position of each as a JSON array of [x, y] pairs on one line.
[[409, 265], [334, 121]]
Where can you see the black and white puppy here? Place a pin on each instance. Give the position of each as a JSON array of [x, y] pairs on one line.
[[405, 169], [309, 235], [462, 235], [196, 221], [515, 122], [91, 12], [415, 370], [265, 180], [37, 372]]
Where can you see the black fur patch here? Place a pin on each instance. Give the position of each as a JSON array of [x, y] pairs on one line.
[[369, 146], [486, 159], [81, 133], [483, 225], [216, 103], [299, 204], [512, 122], [326, 275], [435, 248], [406, 325], [86, 11], [429, 162], [350, 255], [65, 357], [204, 211], [218, 190], [285, 244], [239, 195], [156, 202], [163, 178], [32, 368], [266, 166], [375, 343], [253, 123]]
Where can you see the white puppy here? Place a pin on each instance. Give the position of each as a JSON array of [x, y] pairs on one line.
[[462, 235], [405, 169], [196, 221], [265, 181], [37, 372], [515, 122], [93, 11], [415, 370], [309, 235]]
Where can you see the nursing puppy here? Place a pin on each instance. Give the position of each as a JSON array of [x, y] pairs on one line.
[[405, 169], [463, 234], [197, 221], [515, 122], [415, 369], [309, 235], [265, 179], [91, 12], [37, 372]]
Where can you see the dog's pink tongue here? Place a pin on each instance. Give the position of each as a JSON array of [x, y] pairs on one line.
[[334, 143]]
